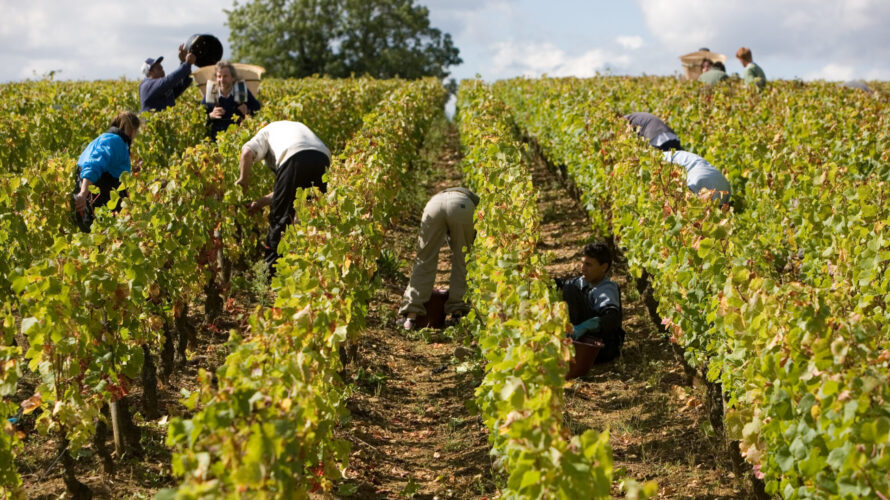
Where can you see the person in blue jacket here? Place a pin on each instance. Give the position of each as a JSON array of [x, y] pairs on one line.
[[222, 107], [158, 91], [101, 164], [594, 302]]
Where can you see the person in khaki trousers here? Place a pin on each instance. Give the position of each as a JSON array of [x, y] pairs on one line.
[[449, 213]]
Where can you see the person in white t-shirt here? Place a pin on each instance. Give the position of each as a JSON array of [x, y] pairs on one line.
[[298, 158]]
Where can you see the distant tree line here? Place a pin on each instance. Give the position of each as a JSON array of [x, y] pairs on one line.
[[339, 38]]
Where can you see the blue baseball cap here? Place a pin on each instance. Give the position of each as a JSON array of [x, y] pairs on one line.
[[146, 66]]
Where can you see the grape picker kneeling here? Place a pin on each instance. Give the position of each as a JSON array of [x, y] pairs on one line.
[[594, 302]]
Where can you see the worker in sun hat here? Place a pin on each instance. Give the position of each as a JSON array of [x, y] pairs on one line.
[[224, 106], [158, 91]]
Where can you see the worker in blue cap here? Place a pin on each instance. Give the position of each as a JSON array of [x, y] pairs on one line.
[[158, 91]]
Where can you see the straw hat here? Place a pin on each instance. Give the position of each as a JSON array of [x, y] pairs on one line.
[[695, 58]]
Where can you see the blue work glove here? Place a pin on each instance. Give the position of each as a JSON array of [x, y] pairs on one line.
[[590, 325]]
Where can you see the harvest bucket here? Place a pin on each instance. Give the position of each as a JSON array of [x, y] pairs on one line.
[[207, 49], [586, 350], [435, 310]]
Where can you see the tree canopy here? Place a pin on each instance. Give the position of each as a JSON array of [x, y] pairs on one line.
[[339, 38]]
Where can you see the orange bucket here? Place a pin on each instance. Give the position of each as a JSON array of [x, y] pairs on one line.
[[586, 350]]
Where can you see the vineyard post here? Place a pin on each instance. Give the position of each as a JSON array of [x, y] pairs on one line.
[[116, 428]]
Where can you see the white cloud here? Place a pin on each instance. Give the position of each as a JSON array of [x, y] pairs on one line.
[[630, 42], [878, 74], [832, 72], [535, 59], [99, 39], [830, 31], [479, 21]]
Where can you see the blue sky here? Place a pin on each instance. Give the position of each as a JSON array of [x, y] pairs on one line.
[[505, 38], [809, 39]]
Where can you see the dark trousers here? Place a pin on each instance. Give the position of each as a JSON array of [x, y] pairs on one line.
[[580, 311], [671, 144], [576, 299], [301, 170], [106, 185]]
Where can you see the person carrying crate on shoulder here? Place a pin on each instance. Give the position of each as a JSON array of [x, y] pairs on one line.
[[226, 99], [158, 91], [712, 72]]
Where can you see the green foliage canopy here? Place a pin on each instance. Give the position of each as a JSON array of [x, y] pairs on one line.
[[339, 38]]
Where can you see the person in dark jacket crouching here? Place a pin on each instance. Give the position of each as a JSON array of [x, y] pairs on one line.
[[594, 302], [101, 164], [653, 128]]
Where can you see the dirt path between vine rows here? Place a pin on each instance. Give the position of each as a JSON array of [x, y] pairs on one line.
[[658, 423], [413, 435]]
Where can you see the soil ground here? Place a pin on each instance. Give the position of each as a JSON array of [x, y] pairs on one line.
[[414, 436], [412, 428], [658, 422], [412, 433]]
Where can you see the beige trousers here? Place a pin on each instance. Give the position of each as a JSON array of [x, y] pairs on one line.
[[447, 214]]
